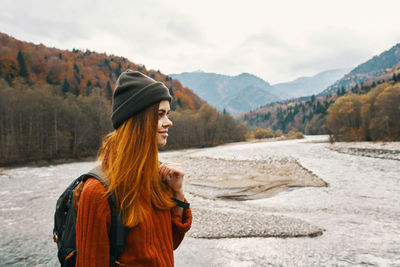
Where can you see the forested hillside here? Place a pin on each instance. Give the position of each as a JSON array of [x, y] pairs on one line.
[[383, 65], [77, 72], [369, 117], [56, 104], [206, 127], [309, 114]]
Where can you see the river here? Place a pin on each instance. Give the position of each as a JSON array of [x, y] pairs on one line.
[[360, 211]]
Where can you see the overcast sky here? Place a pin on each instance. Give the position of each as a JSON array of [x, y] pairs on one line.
[[276, 40]]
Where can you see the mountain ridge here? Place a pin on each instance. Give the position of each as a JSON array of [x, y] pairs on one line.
[[308, 114], [78, 72], [227, 92], [309, 85], [386, 62], [222, 91]]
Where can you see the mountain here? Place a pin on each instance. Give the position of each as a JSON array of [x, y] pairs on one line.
[[306, 86], [56, 104], [235, 94], [205, 85], [385, 63], [77, 72], [308, 114]]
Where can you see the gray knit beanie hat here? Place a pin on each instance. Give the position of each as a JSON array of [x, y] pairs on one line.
[[134, 92]]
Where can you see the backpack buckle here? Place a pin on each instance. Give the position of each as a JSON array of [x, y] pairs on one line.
[[55, 238], [71, 254]]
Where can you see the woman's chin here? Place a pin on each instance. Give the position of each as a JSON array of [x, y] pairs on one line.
[[162, 143]]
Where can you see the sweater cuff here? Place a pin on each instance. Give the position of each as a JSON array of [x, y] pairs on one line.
[[183, 223]]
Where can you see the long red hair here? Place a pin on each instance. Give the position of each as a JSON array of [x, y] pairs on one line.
[[129, 157]]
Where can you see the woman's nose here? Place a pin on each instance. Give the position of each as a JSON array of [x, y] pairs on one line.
[[167, 123]]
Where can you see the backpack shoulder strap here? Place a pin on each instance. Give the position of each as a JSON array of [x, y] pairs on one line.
[[118, 231], [97, 172]]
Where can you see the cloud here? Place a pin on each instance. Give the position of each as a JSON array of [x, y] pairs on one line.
[[266, 38], [336, 47], [181, 28], [277, 58], [135, 30], [277, 41], [33, 19]]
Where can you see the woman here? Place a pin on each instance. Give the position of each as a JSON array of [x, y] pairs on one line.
[[145, 192]]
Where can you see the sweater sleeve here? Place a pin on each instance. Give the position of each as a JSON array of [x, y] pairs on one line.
[[180, 225], [92, 226]]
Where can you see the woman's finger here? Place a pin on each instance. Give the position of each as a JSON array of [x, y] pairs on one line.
[[163, 171]]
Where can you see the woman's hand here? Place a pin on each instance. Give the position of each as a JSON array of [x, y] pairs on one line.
[[172, 174]]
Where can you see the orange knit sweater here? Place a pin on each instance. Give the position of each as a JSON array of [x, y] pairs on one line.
[[150, 243]]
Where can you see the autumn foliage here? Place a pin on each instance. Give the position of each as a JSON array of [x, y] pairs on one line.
[[206, 127], [370, 117], [309, 114], [350, 113], [76, 71], [39, 123], [56, 104]]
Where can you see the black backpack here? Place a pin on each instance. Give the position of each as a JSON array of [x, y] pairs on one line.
[[64, 232]]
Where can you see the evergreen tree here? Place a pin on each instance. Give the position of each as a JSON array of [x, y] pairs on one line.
[[76, 91], [171, 92], [23, 71], [318, 108], [66, 87], [106, 63], [76, 68], [108, 89], [179, 103], [89, 88], [118, 71]]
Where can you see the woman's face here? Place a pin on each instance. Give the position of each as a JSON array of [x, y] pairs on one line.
[[163, 123]]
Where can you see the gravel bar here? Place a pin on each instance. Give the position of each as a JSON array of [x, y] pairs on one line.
[[216, 224], [219, 189], [380, 150]]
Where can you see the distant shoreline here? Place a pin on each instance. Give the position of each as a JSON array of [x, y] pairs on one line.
[[376, 149], [380, 150], [44, 163]]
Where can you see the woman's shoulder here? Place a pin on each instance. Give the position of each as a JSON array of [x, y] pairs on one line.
[[93, 190]]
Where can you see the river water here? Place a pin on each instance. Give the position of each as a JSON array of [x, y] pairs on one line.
[[360, 211]]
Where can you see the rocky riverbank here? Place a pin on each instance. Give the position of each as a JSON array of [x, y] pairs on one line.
[[382, 150], [219, 188], [215, 223]]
